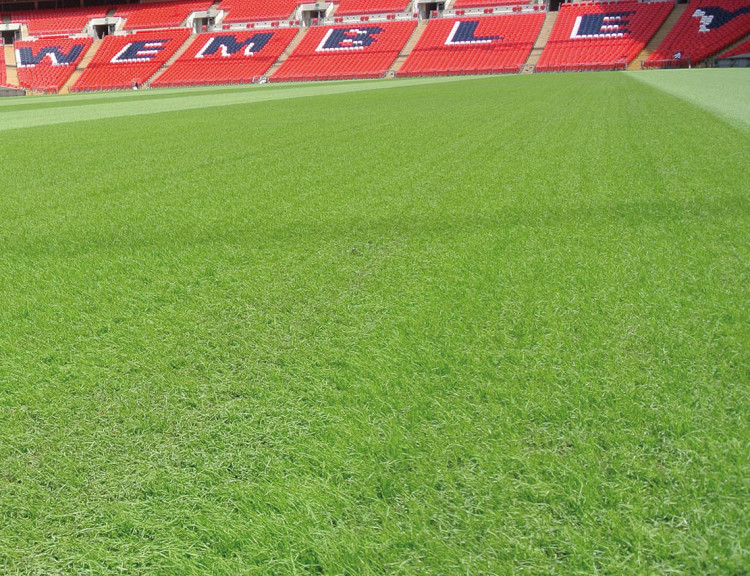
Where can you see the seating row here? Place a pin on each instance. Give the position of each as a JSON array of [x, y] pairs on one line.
[[354, 7], [459, 4], [257, 10], [742, 49]]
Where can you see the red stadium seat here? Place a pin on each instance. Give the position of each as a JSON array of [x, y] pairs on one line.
[[482, 3]]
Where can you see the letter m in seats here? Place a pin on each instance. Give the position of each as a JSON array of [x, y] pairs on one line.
[[228, 45]]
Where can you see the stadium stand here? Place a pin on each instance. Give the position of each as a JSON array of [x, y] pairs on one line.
[[742, 49], [357, 7], [258, 10], [585, 35], [706, 27], [226, 58], [492, 44], [45, 65], [160, 14], [55, 22], [601, 36], [124, 61], [460, 4], [341, 52]]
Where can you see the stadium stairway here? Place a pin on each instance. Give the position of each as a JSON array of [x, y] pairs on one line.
[[11, 70], [174, 57], [661, 33], [289, 49], [540, 43], [89, 56], [416, 35]]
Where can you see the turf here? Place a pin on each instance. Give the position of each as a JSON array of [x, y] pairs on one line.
[[472, 327]]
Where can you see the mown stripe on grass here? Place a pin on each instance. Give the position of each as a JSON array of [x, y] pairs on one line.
[[113, 105], [724, 93]]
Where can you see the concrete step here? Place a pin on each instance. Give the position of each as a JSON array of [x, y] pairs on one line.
[[87, 58], [286, 53], [541, 42], [413, 39], [174, 57], [11, 69]]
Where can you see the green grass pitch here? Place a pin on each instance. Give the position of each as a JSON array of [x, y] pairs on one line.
[[467, 326]]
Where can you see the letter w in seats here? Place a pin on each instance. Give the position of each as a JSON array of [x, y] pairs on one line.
[[27, 59]]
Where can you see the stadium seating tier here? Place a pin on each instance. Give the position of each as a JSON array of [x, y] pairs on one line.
[[705, 28], [257, 10], [459, 4], [226, 58], [52, 22], [356, 7], [45, 65], [123, 61], [601, 35], [343, 52], [159, 14], [493, 44]]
